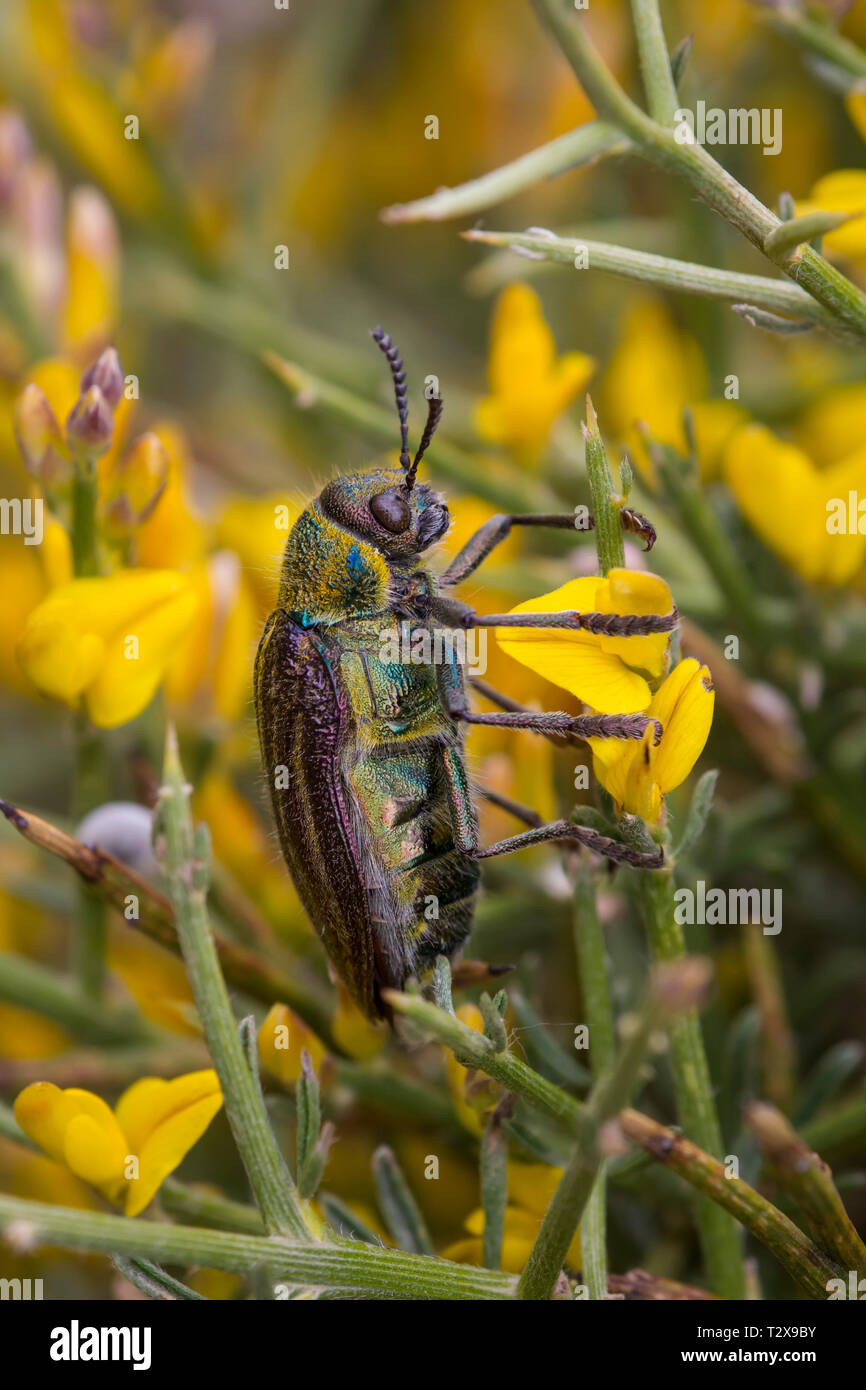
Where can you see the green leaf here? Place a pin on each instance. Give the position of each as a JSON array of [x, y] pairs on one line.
[[702, 803]]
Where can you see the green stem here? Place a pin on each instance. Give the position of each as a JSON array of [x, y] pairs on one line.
[[807, 1265], [608, 526], [816, 37], [598, 1011], [654, 62], [685, 277], [719, 1236], [341, 1265], [185, 862], [584, 145], [90, 940], [719, 189], [494, 1186], [30, 986], [474, 1050], [85, 536], [608, 1097]]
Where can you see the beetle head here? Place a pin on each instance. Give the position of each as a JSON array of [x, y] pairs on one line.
[[400, 521]]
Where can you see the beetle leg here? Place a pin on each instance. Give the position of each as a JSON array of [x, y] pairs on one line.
[[514, 808], [603, 624], [582, 726], [494, 531], [580, 834]]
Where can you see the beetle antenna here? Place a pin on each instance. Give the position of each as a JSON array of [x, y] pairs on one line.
[[398, 372], [434, 415]]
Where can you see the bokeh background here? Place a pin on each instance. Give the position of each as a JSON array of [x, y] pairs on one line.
[[261, 129]]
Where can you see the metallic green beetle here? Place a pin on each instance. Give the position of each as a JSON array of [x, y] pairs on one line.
[[364, 755]]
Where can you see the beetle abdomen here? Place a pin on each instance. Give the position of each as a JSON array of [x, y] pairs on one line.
[[353, 748]]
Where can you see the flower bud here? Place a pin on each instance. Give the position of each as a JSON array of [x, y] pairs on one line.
[[106, 373], [134, 486], [39, 437], [91, 423]]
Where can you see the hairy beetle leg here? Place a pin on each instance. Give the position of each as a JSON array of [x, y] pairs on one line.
[[465, 828], [498, 528], [581, 726], [603, 624], [578, 834]]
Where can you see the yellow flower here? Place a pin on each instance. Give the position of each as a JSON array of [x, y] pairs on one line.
[[638, 774], [282, 1038], [212, 671], [128, 1152], [530, 1189], [790, 503], [108, 640], [356, 1034], [609, 673], [828, 426], [156, 980], [473, 1093], [529, 386], [844, 190], [656, 371]]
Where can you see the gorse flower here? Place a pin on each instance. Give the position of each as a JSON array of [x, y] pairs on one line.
[[127, 1152], [843, 190], [800, 511], [611, 674], [282, 1038], [108, 640], [529, 385], [530, 1188], [656, 372], [639, 773]]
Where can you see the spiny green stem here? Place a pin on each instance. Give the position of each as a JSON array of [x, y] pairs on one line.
[[719, 189], [341, 1265], [816, 36], [686, 277], [494, 1184], [608, 526], [185, 864], [809, 1181], [474, 1050], [806, 1264], [584, 145], [401, 1212], [697, 1111], [654, 62], [667, 996], [598, 1011]]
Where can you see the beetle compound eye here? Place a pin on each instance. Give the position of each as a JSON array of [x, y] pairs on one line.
[[391, 510]]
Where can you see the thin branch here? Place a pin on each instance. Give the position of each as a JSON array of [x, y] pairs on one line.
[[808, 1266], [585, 145]]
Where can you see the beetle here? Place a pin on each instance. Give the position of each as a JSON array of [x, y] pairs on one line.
[[365, 756]]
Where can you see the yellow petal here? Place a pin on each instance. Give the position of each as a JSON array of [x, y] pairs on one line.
[[37, 1111], [282, 1038], [149, 1102], [777, 490], [684, 705], [843, 190], [97, 1153], [845, 550], [597, 669], [167, 1146]]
